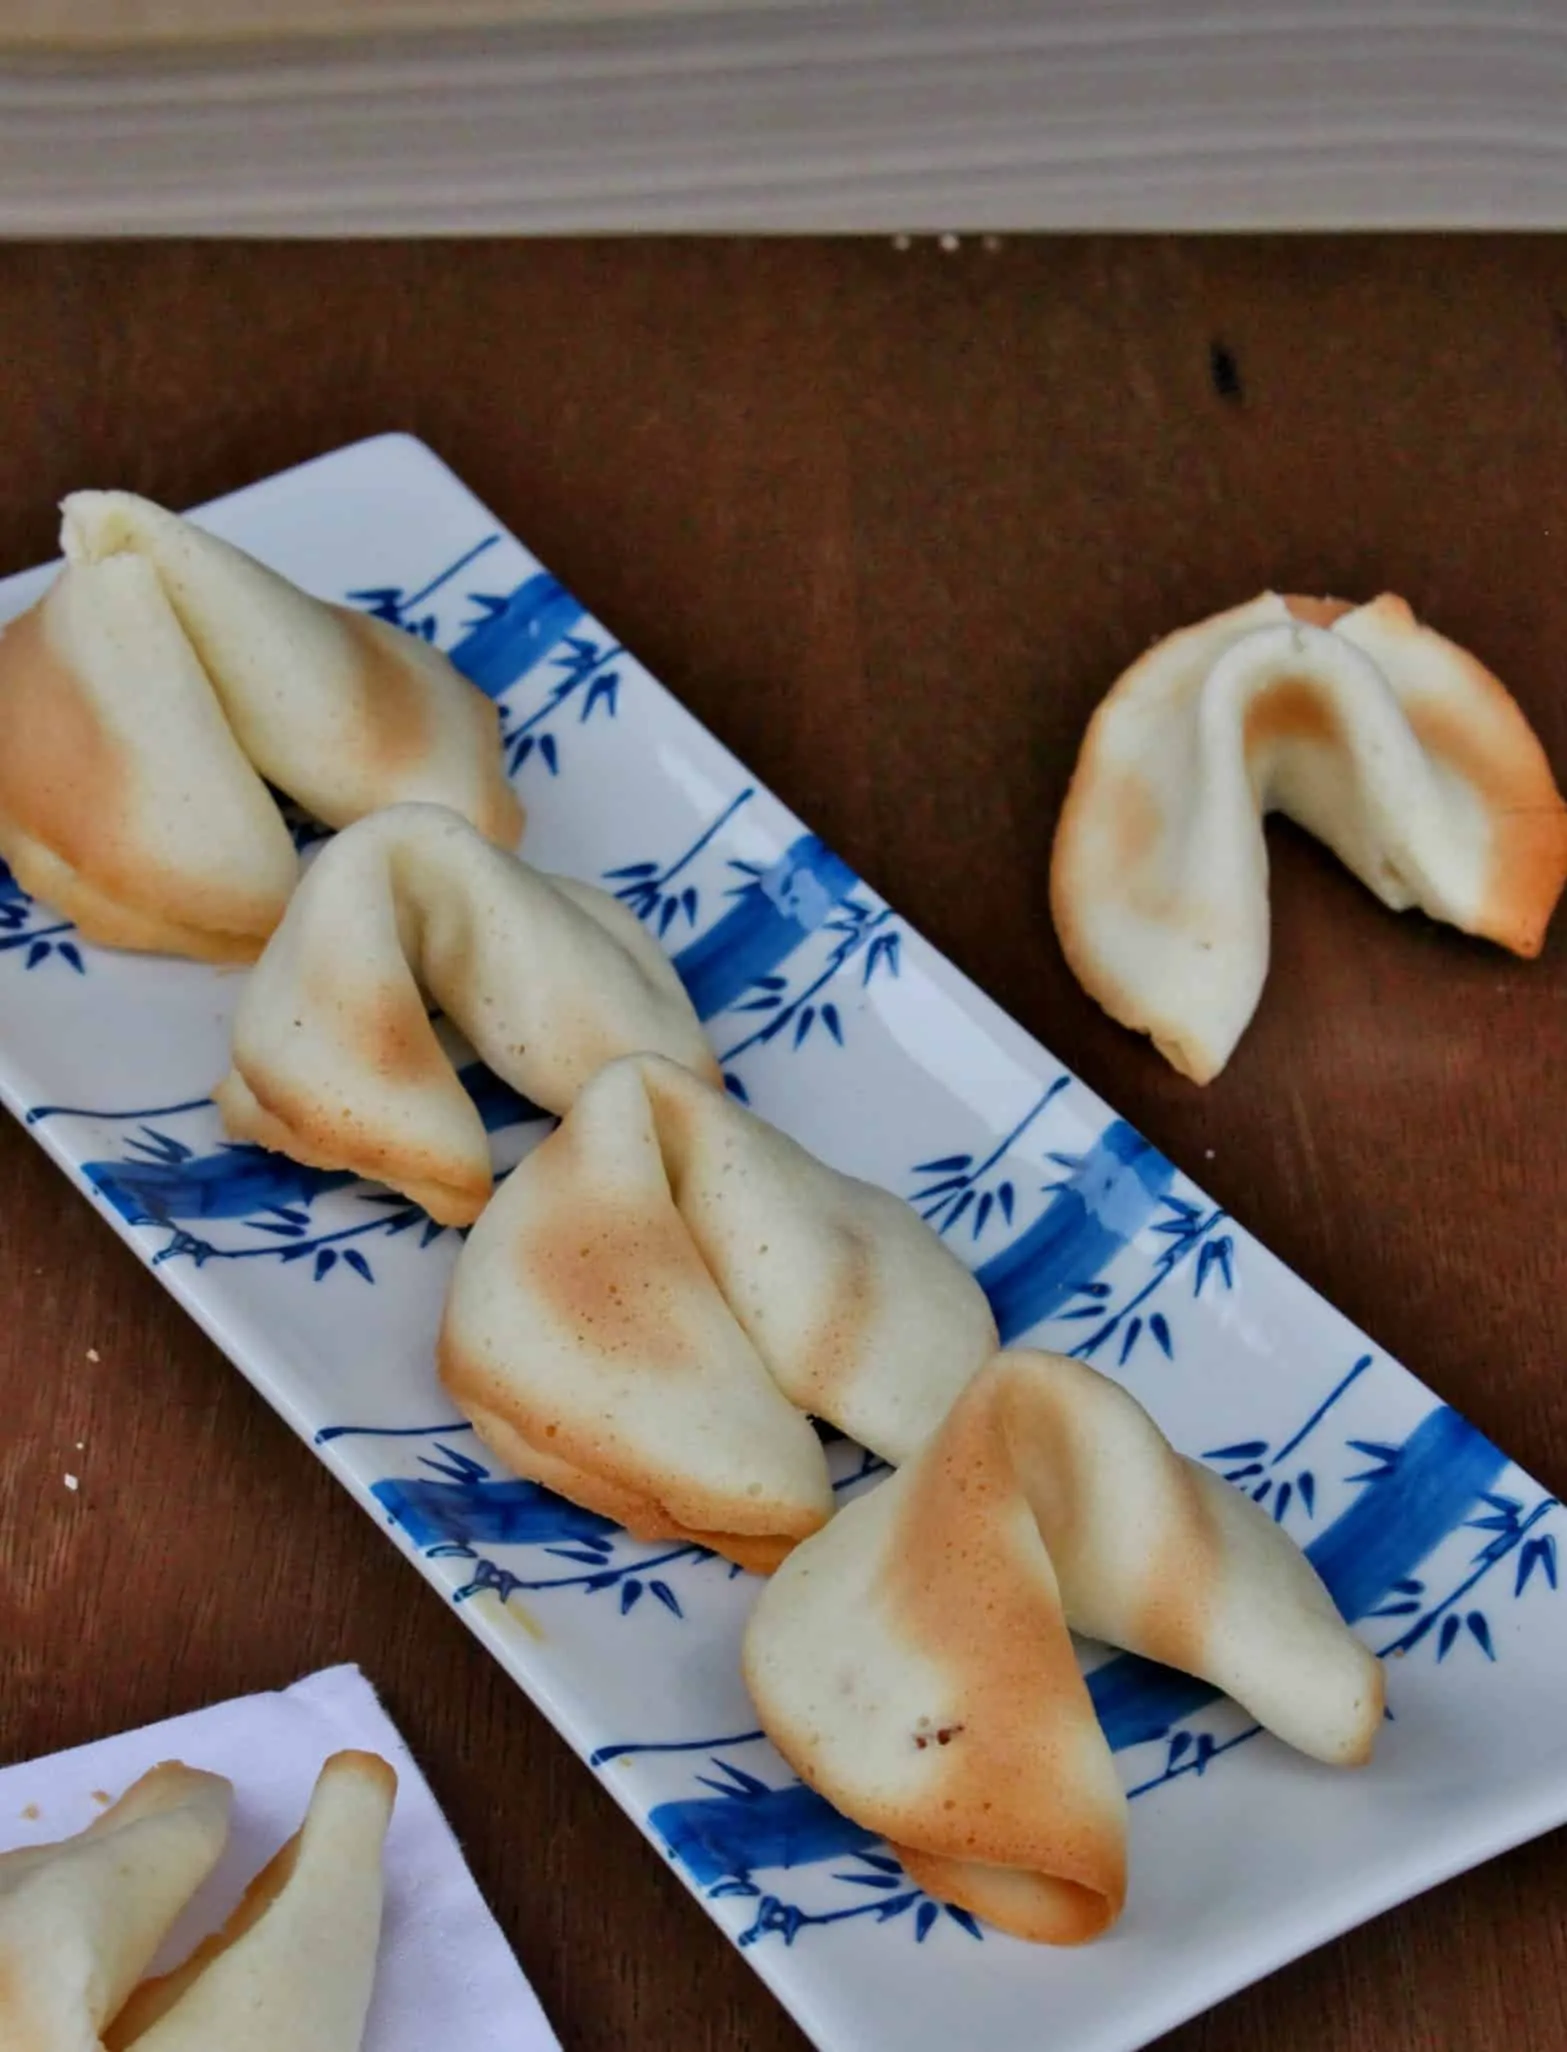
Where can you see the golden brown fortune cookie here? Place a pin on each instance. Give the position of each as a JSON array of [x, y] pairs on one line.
[[661, 1292], [913, 1661], [157, 687]]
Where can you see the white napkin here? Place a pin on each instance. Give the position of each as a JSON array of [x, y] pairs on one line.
[[446, 1975]]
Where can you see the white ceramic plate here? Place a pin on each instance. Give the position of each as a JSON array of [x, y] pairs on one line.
[[843, 1026]]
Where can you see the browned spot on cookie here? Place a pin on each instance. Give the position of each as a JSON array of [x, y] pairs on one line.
[[835, 1350], [615, 1274], [1501, 760], [954, 1582], [1316, 612], [395, 1038], [1132, 815], [395, 717], [1291, 710], [61, 778]]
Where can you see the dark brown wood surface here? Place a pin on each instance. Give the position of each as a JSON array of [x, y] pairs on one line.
[[889, 521]]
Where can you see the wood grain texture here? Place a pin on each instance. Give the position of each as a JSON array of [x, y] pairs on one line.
[[889, 522]]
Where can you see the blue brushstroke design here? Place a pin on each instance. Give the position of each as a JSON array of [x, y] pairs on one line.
[[516, 633], [11, 891], [729, 1836], [486, 1513], [1110, 1197], [239, 1181], [1391, 1527], [1423, 1495], [772, 915]]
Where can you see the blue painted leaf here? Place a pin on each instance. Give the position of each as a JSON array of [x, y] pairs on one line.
[[71, 954], [1406, 1607], [1260, 1493], [1536, 1553], [982, 1213], [1161, 1333], [803, 1024], [882, 1881], [667, 1597], [578, 1554], [1006, 1197], [666, 917], [747, 1785], [745, 868], [1244, 1474], [884, 1863], [1502, 1503], [38, 952], [1306, 1482], [1480, 1632], [767, 1002], [1444, 1644], [326, 1258], [548, 751], [962, 1918], [769, 983], [1281, 1502], [833, 1023], [285, 1229], [433, 1230], [1493, 1524], [358, 1264], [521, 751], [928, 1913], [736, 1089], [894, 1906], [1242, 1450], [1410, 1586], [939, 1189], [1179, 1744], [1206, 1744], [688, 903], [1129, 1340], [962, 1205], [1101, 1290], [630, 1593], [634, 869], [605, 689], [1374, 1449], [1066, 1161]]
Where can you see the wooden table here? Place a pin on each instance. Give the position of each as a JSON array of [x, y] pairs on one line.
[[889, 521]]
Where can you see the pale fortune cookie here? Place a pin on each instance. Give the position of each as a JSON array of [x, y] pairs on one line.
[[335, 1061], [80, 1919], [293, 1969], [1370, 730]]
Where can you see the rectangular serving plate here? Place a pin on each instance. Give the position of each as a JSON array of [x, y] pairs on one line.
[[838, 1022]]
